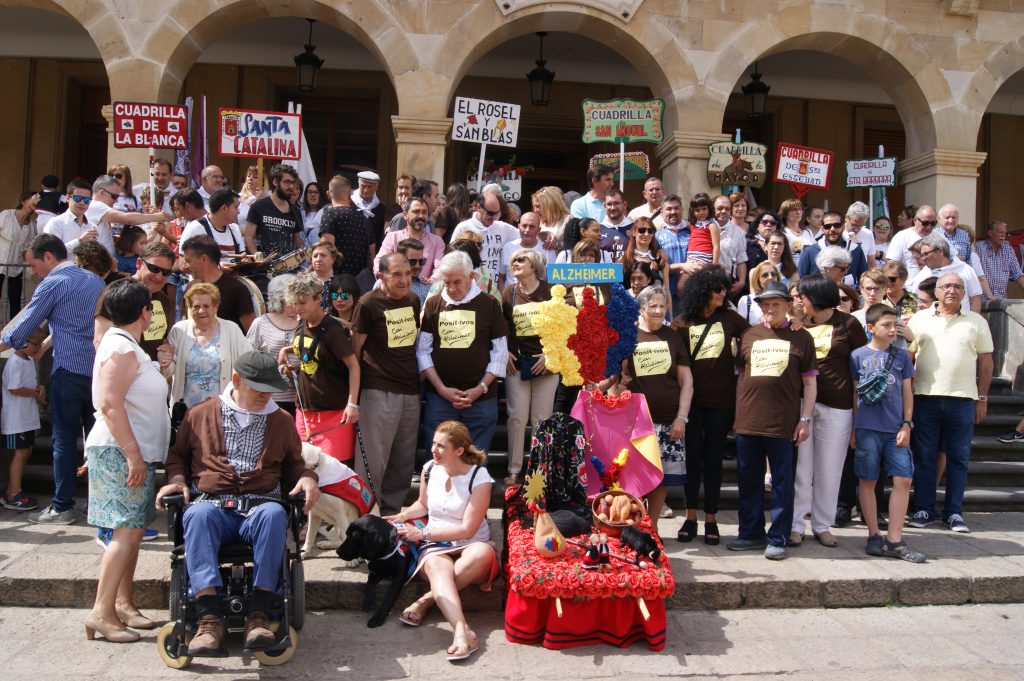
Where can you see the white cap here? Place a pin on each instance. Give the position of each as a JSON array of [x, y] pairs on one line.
[[369, 176]]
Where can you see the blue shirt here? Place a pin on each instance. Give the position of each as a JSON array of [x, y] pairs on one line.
[[587, 207], [885, 416], [66, 298], [675, 245]]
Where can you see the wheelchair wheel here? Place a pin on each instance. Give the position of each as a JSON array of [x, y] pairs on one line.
[[280, 658], [177, 590], [298, 602], [167, 640]]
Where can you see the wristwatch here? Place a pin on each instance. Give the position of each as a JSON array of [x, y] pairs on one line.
[[910, 423], [983, 398], [805, 419], [484, 386]]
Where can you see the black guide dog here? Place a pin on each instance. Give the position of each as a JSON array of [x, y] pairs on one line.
[[376, 540]]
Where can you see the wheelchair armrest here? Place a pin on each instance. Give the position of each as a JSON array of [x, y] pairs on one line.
[[174, 500], [295, 503], [175, 505], [297, 500]]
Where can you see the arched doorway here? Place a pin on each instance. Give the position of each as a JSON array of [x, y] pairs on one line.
[[1001, 137], [55, 86]]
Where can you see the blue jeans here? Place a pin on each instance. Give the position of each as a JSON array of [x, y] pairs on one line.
[[751, 451], [208, 528], [481, 418], [70, 411], [938, 421]]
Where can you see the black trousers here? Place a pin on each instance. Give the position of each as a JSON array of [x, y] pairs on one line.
[[706, 433]]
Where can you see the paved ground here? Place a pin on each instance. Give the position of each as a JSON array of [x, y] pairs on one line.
[[58, 566], [938, 643]]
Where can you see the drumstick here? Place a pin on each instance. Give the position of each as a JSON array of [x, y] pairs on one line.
[[558, 606], [643, 609], [640, 564]]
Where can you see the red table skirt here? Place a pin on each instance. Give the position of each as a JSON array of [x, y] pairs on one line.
[[618, 622]]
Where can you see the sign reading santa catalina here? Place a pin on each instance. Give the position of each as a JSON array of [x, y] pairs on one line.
[[622, 120], [150, 125], [803, 167], [485, 122], [260, 134]]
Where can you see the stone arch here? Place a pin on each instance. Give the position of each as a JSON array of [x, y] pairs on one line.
[[175, 43], [103, 30], [1000, 66], [876, 44], [657, 56]]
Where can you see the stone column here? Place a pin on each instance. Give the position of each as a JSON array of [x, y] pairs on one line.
[[421, 143], [944, 176], [683, 157], [134, 158]]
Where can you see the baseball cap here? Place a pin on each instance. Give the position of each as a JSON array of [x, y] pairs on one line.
[[260, 372]]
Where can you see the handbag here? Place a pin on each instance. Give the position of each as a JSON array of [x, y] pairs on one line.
[[872, 388]]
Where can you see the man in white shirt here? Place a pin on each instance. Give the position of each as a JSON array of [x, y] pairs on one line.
[[654, 192], [591, 204], [856, 232], [529, 232], [494, 232], [939, 260], [105, 191], [899, 246], [221, 224], [211, 179], [161, 180], [732, 246], [71, 226]]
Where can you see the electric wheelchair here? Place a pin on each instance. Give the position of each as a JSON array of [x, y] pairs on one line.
[[236, 569]]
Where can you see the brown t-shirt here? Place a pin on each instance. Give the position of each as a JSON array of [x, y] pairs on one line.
[[388, 360], [652, 371], [714, 369], [163, 319], [462, 339], [235, 299], [774, 362], [323, 376], [519, 309], [834, 341]]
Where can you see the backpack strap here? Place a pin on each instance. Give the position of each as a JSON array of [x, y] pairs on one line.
[[205, 222], [472, 477], [426, 472]]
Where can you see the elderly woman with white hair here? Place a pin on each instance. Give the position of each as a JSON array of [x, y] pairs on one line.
[[529, 386], [461, 351], [834, 263], [275, 330]]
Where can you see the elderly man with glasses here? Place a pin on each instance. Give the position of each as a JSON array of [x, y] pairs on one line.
[[105, 192], [938, 258], [954, 371], [900, 245]]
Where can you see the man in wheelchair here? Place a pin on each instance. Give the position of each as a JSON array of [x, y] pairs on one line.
[[233, 456]]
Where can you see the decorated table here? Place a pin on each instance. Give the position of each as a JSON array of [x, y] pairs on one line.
[[556, 602]]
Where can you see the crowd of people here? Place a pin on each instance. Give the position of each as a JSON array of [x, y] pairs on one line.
[[839, 353]]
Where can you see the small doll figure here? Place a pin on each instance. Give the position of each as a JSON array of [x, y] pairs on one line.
[[604, 554], [592, 558]]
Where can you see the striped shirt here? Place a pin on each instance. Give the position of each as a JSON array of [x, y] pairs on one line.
[[66, 299], [1000, 266]]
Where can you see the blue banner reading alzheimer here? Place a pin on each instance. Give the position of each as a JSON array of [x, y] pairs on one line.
[[584, 273]]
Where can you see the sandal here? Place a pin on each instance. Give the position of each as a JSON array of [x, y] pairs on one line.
[[688, 531], [464, 647], [902, 551], [413, 615], [826, 538], [711, 536]]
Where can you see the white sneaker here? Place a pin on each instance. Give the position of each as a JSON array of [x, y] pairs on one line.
[[50, 516], [767, 482]]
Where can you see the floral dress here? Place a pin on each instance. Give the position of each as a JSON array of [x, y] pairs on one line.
[[202, 371]]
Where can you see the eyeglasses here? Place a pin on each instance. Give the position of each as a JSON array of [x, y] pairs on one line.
[[844, 299], [646, 230], [842, 268], [343, 295], [832, 225], [926, 253], [492, 213], [81, 199], [418, 261], [769, 222], [883, 228], [951, 287], [767, 275], [112, 194], [117, 176], [520, 259], [928, 223], [893, 280], [156, 269], [776, 244]]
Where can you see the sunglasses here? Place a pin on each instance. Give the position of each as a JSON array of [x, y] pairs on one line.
[[520, 259], [492, 213], [343, 295], [769, 222], [928, 223], [883, 228], [117, 176], [646, 230], [844, 299], [893, 280], [767, 275], [112, 194], [833, 225], [156, 269], [81, 199], [418, 261]]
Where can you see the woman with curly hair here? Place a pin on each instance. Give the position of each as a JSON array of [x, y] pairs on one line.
[[707, 327]]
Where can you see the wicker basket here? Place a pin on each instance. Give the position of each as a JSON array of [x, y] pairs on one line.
[[608, 527]]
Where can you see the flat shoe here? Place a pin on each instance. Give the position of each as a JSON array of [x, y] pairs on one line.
[[826, 538], [795, 539], [411, 618], [464, 647]]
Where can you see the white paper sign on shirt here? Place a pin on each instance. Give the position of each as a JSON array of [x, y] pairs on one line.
[[485, 122]]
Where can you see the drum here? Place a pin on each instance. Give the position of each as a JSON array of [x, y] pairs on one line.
[[288, 262], [258, 305]]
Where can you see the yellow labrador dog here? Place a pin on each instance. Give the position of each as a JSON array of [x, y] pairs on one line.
[[344, 496]]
